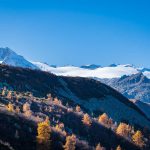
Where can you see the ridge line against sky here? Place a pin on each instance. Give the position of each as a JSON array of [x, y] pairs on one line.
[[77, 32]]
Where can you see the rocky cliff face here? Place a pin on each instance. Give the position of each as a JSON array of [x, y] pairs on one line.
[[136, 86]]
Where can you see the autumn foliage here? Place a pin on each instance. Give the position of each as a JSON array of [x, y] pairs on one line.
[[44, 133], [87, 120], [138, 139], [124, 130], [10, 107], [70, 143]]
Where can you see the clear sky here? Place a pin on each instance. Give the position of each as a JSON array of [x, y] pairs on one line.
[[77, 31]]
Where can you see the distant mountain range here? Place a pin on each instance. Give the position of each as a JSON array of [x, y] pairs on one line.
[[131, 81], [136, 86], [112, 71]]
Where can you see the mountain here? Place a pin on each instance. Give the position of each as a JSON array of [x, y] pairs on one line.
[[101, 72], [91, 95], [112, 71], [30, 88], [112, 65], [9, 57], [91, 67], [28, 96], [132, 82], [136, 86], [112, 75]]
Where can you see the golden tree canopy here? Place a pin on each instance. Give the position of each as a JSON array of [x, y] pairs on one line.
[[138, 139], [44, 131], [10, 107], [123, 130], [103, 119], [87, 120], [70, 143]]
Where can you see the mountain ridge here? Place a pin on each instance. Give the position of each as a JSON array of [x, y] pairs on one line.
[[134, 87], [90, 94], [29, 95], [9, 57], [111, 75]]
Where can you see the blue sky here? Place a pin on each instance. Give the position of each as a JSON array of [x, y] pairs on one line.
[[77, 31]]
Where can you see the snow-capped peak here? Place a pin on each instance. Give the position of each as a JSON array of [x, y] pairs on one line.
[[9, 57]]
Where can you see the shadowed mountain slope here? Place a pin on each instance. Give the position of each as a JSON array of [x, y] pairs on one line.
[[93, 96]]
